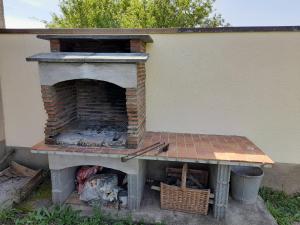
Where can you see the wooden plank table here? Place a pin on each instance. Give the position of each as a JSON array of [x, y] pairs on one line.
[[220, 151], [197, 148]]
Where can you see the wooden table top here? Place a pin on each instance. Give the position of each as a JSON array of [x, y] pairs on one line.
[[197, 148]]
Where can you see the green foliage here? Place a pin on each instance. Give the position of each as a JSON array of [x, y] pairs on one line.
[[284, 208], [59, 215], [135, 14], [7, 216]]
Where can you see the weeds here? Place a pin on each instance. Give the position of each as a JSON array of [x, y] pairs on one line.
[[284, 208], [7, 216], [58, 215]]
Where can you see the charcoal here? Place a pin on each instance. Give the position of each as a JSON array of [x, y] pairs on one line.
[[94, 134]]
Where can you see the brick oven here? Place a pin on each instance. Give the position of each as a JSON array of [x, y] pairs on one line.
[[93, 89]]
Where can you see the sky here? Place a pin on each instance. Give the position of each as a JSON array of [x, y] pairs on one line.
[[30, 13]]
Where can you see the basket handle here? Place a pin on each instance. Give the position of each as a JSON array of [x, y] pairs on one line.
[[183, 176]]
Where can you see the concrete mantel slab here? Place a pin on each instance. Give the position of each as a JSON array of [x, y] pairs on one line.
[[89, 57], [121, 74], [59, 162]]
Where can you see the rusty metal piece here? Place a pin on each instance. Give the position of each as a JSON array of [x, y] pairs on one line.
[[144, 150], [165, 148]]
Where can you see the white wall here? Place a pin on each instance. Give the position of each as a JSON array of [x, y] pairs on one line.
[[24, 114], [217, 83], [2, 135], [1, 107], [2, 22]]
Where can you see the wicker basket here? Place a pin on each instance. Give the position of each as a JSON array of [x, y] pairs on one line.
[[184, 199]]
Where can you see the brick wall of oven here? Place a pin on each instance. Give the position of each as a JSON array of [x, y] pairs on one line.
[[136, 109], [96, 100], [60, 105], [83, 100], [101, 101]]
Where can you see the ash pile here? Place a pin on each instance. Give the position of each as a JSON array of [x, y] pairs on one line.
[[100, 186], [94, 134]]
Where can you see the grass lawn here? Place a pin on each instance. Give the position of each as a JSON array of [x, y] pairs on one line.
[[37, 209], [284, 208], [59, 216]]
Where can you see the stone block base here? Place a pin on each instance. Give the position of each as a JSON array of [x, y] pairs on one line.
[[63, 169], [219, 182]]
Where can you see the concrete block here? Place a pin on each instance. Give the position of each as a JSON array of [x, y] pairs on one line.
[[66, 160], [63, 184], [63, 168], [219, 182], [136, 183]]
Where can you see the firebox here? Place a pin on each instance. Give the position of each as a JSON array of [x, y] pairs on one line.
[[92, 113], [93, 89]]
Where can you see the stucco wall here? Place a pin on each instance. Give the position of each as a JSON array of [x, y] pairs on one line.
[[2, 22], [224, 83], [2, 136], [23, 108]]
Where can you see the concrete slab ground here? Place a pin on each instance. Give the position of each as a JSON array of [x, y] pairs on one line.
[[150, 212], [254, 214]]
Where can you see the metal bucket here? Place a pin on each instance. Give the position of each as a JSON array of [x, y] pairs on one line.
[[245, 183]]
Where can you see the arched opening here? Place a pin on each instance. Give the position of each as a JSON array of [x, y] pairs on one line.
[[88, 113], [93, 184], [131, 175]]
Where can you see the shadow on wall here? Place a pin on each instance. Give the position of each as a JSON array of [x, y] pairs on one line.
[[24, 156], [283, 177]]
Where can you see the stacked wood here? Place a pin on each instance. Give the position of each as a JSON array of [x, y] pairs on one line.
[[183, 198]]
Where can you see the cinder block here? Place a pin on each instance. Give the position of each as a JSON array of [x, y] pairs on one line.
[[219, 181], [63, 179], [63, 184], [136, 183]]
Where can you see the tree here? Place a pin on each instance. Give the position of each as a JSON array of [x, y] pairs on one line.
[[135, 14]]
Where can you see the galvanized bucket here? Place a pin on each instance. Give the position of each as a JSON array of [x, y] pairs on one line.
[[245, 183]]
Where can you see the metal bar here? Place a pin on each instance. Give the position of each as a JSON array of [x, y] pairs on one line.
[[141, 151]]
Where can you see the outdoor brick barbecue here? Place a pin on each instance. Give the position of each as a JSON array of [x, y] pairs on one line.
[[106, 89], [93, 88]]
